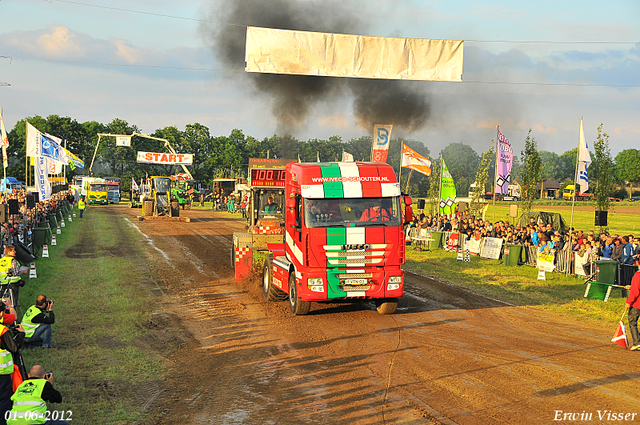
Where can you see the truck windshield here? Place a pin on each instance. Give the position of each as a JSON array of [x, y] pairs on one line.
[[98, 187], [162, 185], [352, 212], [114, 188]]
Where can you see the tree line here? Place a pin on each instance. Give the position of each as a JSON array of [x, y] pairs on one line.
[[228, 156]]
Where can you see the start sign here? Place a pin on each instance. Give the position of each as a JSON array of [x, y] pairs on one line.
[[165, 158]]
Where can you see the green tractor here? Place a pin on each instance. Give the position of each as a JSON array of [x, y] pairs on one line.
[[183, 191]]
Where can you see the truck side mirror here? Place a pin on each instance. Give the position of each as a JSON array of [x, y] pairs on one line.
[[408, 212], [292, 210]]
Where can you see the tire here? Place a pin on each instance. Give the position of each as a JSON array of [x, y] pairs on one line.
[[270, 292], [386, 306], [298, 307], [175, 209], [147, 207]]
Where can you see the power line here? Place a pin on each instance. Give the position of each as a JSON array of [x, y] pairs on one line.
[[185, 18]]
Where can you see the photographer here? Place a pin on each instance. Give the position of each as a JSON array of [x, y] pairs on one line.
[[37, 321], [8, 348], [29, 401], [10, 266]]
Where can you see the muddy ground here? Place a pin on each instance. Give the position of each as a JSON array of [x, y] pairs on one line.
[[448, 356]]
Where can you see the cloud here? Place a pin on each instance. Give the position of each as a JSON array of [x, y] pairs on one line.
[[628, 129], [61, 43]]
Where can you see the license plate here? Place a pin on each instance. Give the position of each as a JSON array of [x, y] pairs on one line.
[[355, 281]]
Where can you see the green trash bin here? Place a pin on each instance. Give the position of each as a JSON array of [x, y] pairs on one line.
[[437, 240], [53, 221], [59, 216], [512, 254], [606, 271], [40, 237]]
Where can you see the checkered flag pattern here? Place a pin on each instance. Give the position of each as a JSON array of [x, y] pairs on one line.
[[241, 252]]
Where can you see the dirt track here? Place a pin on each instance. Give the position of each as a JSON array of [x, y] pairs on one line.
[[447, 356]]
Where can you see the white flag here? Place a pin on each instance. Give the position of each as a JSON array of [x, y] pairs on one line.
[[134, 185], [347, 157], [584, 159]]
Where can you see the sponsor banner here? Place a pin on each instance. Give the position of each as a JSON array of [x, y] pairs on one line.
[[42, 178], [381, 141], [123, 140], [491, 248], [349, 180], [545, 261], [474, 246], [165, 158]]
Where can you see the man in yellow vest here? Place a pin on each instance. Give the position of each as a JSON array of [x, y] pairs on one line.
[[8, 347], [9, 267], [82, 205], [37, 321], [31, 397]]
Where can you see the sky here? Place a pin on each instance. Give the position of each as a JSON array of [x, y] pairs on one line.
[[538, 65]]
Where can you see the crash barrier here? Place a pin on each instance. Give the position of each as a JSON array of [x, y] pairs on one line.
[[565, 260]]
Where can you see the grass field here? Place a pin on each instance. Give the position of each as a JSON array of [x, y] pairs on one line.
[[97, 362]]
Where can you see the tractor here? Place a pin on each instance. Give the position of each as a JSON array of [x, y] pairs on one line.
[[159, 201]]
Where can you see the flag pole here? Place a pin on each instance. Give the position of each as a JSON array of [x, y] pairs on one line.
[[575, 181], [495, 173], [440, 196], [400, 173]]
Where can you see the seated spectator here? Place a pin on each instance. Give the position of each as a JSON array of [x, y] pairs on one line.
[[37, 321]]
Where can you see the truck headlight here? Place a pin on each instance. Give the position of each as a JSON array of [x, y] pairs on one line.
[[394, 283], [315, 284]]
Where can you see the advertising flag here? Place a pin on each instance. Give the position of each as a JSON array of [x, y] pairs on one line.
[[74, 161], [505, 162], [5, 141], [347, 157], [620, 337], [584, 159], [42, 178], [381, 141], [42, 144], [134, 185], [447, 192], [413, 160]]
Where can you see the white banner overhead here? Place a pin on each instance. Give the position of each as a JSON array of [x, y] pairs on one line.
[[165, 158], [276, 51]]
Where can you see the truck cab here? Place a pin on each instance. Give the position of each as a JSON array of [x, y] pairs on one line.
[[343, 237]]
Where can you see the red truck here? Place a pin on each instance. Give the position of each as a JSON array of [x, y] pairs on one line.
[[343, 237]]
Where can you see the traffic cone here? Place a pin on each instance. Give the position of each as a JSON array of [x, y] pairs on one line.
[[53, 240], [45, 251], [70, 217], [459, 255], [62, 223], [541, 275], [58, 231], [74, 213], [32, 271]]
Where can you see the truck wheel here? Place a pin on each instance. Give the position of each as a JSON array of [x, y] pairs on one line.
[[270, 292], [175, 209], [386, 306], [147, 207], [298, 307]]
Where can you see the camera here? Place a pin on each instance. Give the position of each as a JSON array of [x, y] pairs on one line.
[[48, 374], [49, 302]]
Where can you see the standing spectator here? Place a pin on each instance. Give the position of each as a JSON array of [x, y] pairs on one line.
[[607, 248], [31, 397], [616, 253], [11, 267], [37, 321], [8, 347], [633, 304], [627, 269], [82, 206]]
